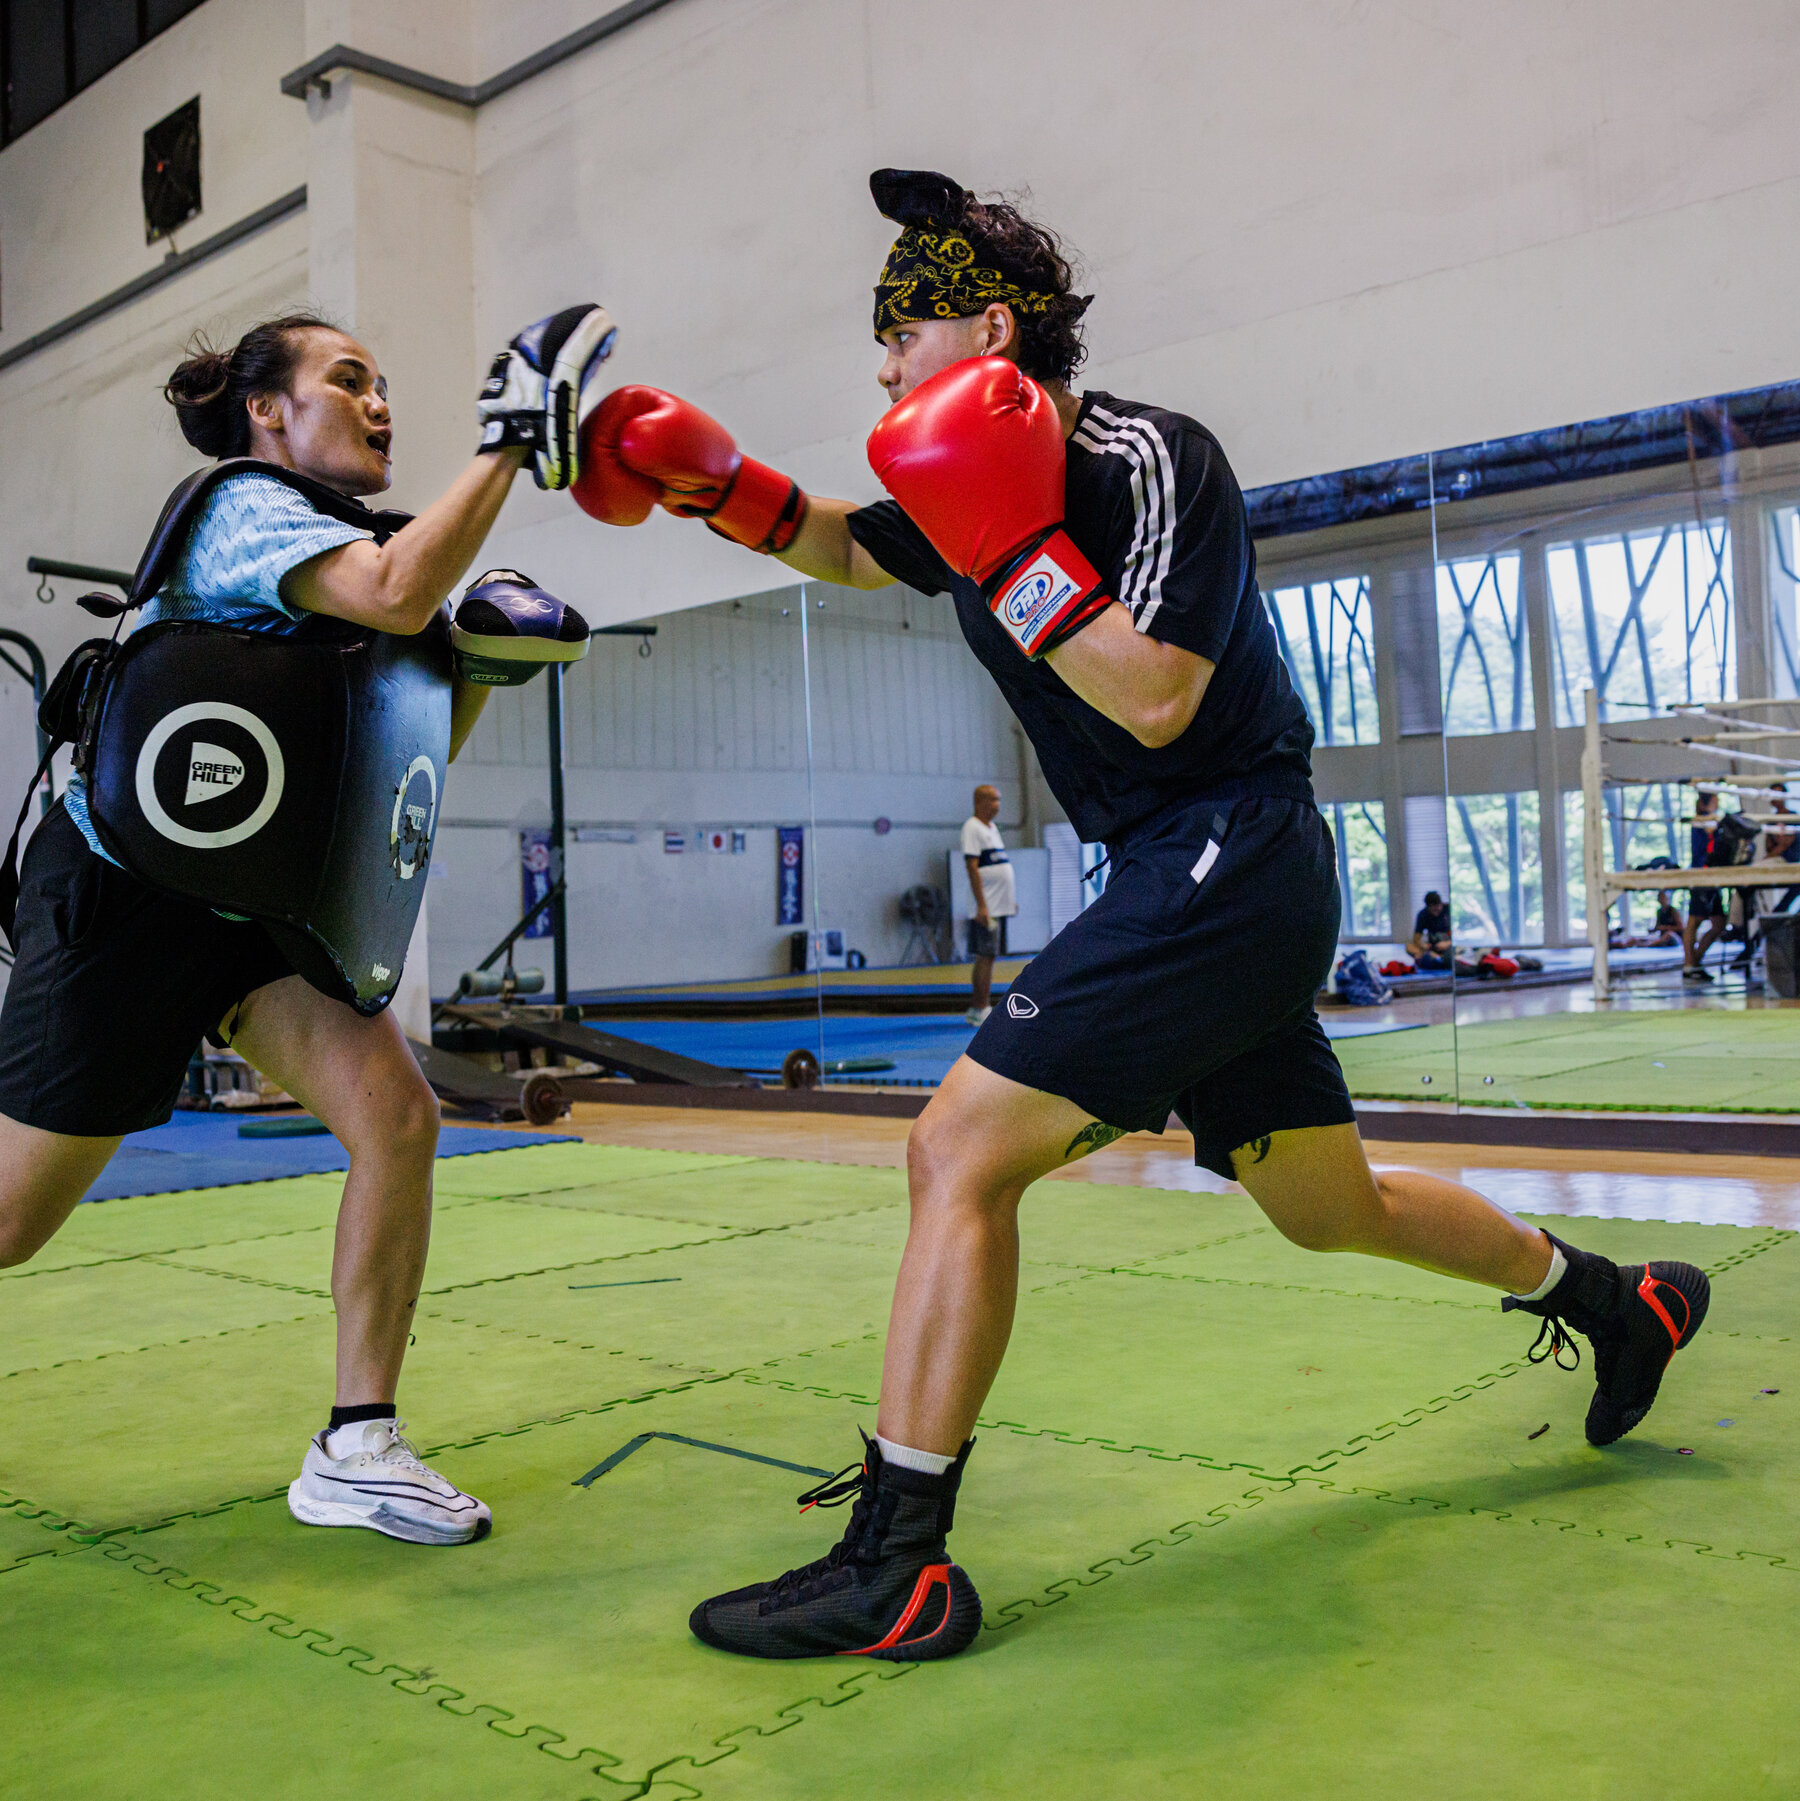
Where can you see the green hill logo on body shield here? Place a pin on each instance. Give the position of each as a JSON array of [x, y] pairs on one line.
[[209, 775]]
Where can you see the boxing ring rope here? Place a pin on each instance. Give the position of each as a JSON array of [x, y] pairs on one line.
[[1605, 884]]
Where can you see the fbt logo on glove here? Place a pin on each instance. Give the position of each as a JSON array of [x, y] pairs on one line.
[[1036, 593], [210, 775]]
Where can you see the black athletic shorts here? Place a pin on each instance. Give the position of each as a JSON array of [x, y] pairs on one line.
[[113, 986], [1707, 903], [1188, 986], [987, 940]]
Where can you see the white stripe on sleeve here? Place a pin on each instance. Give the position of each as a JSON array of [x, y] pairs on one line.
[[1153, 504]]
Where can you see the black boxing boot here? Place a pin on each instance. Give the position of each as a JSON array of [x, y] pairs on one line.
[[1636, 1319], [887, 1588]]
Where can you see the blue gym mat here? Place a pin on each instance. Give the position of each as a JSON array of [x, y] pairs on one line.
[[922, 1047], [203, 1150]]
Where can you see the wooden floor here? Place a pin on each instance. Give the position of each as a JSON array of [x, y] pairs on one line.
[[1744, 1191]]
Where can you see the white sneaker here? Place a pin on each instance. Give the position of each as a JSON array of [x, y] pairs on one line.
[[382, 1484], [976, 1015]]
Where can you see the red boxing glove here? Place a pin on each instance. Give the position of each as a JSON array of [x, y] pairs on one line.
[[975, 458], [642, 448]]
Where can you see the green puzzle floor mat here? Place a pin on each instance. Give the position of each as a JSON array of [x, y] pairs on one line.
[[1674, 1060], [1246, 1522]]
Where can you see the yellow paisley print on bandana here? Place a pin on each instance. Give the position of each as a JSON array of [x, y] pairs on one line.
[[933, 274]]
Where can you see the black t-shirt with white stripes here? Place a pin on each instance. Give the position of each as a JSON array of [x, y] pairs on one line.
[[1153, 505]]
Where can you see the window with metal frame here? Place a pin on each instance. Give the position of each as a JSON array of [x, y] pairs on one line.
[[51, 49], [1326, 634]]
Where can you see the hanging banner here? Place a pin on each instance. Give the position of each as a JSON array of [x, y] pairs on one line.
[[790, 875], [534, 869]]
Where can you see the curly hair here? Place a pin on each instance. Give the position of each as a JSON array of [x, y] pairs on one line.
[[1051, 341]]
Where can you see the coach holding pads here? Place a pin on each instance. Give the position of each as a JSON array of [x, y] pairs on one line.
[[1100, 558]]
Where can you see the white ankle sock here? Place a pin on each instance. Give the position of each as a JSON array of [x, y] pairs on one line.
[[904, 1457], [1558, 1263]]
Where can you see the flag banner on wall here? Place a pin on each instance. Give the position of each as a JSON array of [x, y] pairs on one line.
[[534, 869], [717, 841], [790, 875]]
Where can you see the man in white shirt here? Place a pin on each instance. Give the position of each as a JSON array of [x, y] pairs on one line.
[[996, 901]]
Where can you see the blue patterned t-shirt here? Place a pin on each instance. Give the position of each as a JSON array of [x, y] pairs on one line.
[[250, 533]]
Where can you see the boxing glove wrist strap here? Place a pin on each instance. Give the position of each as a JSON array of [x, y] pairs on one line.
[[1047, 595], [761, 510]]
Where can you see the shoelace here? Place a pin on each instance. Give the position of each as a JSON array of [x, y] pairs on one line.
[[835, 1490], [846, 1485], [398, 1452], [1560, 1341]]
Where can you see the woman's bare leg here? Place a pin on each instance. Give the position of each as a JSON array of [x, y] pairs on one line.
[[42, 1177], [358, 1076]]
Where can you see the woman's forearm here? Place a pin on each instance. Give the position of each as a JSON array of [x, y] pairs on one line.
[[398, 586]]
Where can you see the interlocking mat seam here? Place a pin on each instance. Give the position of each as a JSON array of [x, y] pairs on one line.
[[596, 1774], [1351, 1447], [424, 1685], [159, 1344], [1774, 1241], [1522, 1517], [26, 1508]]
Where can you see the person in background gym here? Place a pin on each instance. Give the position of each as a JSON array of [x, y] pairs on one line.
[[1099, 554], [1708, 914], [995, 894], [1430, 945], [115, 983]]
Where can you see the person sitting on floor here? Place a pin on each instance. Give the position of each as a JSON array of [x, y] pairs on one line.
[[1430, 946]]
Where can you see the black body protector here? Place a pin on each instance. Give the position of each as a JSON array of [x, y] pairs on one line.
[[293, 779]]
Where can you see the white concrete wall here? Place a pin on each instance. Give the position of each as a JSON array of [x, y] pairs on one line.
[[1337, 234], [88, 448]]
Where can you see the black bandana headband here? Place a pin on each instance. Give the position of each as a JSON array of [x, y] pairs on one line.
[[931, 272]]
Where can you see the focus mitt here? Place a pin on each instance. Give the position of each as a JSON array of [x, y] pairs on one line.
[[506, 629], [533, 396]]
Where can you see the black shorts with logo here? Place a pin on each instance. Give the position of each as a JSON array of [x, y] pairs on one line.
[[1188, 986], [113, 986]]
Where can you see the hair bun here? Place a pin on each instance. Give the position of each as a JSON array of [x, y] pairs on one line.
[[917, 196], [209, 386], [200, 392]]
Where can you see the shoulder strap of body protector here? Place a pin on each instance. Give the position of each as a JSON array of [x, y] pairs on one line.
[[71, 704], [183, 507]]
